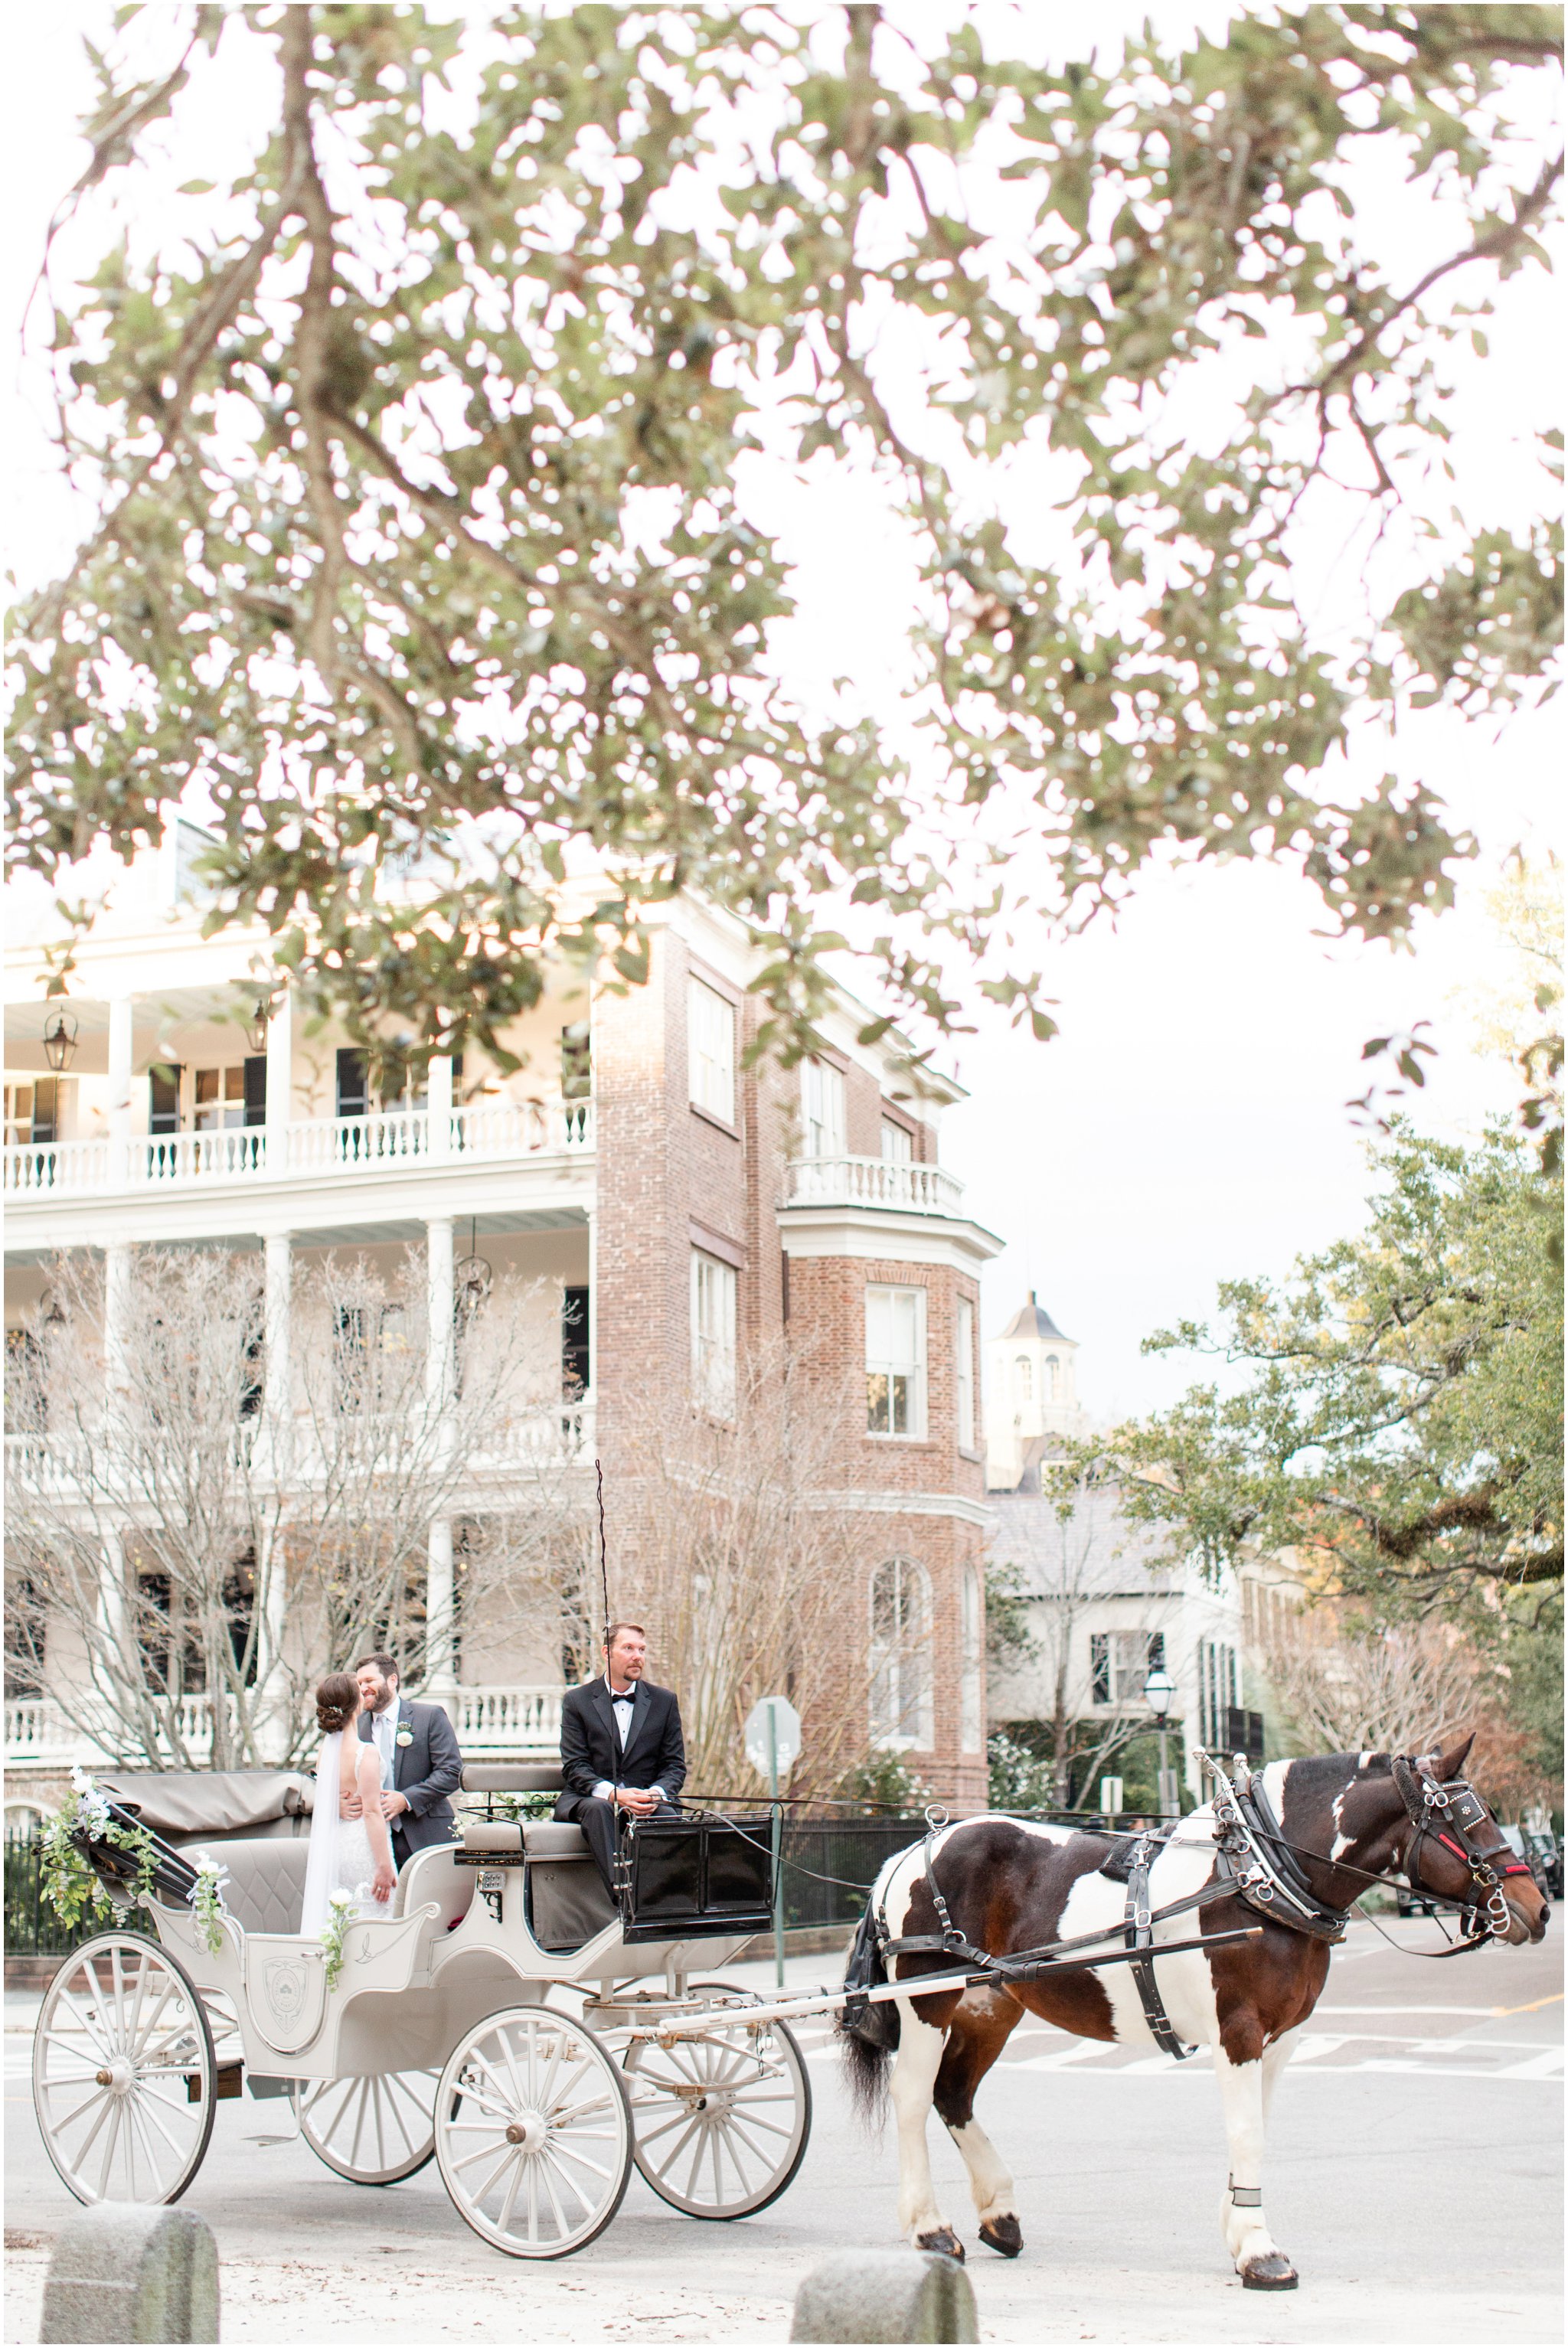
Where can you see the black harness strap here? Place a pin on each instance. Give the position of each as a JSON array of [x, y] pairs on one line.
[[1141, 1936]]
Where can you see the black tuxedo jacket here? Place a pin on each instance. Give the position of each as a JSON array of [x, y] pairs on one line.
[[591, 1749], [423, 1771]]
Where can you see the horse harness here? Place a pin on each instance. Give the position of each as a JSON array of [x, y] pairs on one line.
[[1254, 1862]]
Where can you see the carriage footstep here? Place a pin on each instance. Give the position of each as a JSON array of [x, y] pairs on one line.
[[1003, 2234], [1270, 2272], [944, 2240]]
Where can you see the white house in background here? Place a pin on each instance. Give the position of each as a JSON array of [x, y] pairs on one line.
[[1106, 1597], [668, 1202], [1032, 1405]]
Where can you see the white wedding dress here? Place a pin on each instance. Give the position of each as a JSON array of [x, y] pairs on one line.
[[341, 1859]]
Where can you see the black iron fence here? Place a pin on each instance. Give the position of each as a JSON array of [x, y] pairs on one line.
[[829, 1864]]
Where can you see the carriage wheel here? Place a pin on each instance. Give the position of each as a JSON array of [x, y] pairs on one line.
[[534, 2133], [722, 2120], [373, 2131], [123, 2072]]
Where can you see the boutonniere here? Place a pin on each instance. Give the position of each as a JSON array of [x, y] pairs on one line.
[[404, 1736]]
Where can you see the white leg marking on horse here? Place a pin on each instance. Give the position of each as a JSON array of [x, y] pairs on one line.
[[913, 2078], [990, 2181], [1242, 2093]]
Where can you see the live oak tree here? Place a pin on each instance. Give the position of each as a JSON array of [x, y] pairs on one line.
[[416, 452], [1398, 1423]]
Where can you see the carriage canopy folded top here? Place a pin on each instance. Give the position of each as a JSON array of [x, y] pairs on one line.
[[210, 1805]]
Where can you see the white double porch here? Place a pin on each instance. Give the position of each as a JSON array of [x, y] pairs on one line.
[[494, 1723]]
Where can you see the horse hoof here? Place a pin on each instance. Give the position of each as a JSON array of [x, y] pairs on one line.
[[1271, 2272], [1003, 2234], [944, 2240]]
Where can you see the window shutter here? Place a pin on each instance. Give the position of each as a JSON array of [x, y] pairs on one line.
[[256, 1090], [1099, 1666]]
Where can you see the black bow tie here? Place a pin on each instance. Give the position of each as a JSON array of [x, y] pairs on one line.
[[625, 1697]]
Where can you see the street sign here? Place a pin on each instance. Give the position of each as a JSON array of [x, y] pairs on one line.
[[1111, 1797], [773, 1737]]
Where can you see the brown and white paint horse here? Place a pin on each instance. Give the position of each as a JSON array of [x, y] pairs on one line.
[[1010, 1885]]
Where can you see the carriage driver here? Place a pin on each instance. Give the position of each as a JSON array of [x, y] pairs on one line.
[[621, 1747]]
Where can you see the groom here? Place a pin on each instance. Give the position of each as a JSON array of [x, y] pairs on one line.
[[420, 1763]]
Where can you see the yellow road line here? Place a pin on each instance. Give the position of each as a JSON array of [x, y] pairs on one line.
[[1533, 2007]]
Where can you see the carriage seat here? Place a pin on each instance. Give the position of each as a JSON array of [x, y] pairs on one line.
[[265, 1890], [535, 1838]]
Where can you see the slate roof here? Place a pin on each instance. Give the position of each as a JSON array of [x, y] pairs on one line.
[[1034, 1321]]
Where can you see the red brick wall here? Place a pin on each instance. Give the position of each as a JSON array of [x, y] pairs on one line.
[[661, 1165]]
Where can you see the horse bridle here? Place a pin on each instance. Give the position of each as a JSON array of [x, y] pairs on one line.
[[1451, 1814]]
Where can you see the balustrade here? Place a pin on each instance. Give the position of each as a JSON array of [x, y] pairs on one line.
[[872, 1182], [312, 1148]]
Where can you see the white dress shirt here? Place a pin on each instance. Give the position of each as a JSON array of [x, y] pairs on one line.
[[383, 1732], [623, 1704]]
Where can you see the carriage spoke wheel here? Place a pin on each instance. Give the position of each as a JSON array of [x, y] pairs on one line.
[[722, 2119], [123, 2072], [373, 2131], [534, 2133]]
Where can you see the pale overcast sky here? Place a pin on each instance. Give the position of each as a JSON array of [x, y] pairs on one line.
[[1190, 1123]]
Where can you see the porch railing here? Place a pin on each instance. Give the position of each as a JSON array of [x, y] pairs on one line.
[[872, 1182], [310, 1148]]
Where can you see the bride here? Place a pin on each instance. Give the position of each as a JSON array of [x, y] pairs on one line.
[[346, 1853]]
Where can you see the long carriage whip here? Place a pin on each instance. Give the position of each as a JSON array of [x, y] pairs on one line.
[[604, 1593]]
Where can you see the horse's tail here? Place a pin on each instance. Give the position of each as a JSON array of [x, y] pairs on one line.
[[868, 2034]]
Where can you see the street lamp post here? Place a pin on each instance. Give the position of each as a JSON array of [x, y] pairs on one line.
[[1157, 1690]]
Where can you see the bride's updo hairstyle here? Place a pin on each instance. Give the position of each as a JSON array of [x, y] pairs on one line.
[[337, 1702]]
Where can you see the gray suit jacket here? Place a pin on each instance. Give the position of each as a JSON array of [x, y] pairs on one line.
[[425, 1771]]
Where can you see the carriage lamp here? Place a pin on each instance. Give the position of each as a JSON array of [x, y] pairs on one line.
[[60, 1043], [1158, 1690]]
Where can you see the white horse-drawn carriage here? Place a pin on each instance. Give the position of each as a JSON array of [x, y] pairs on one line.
[[507, 2018]]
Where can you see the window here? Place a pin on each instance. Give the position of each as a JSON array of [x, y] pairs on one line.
[[901, 1707], [163, 1094], [219, 1098], [898, 1144], [1119, 1662], [822, 1109], [1053, 1376], [1024, 1379], [712, 1334], [352, 1083], [1217, 1691], [895, 1360], [33, 1110], [710, 1040], [965, 1380], [969, 1737]]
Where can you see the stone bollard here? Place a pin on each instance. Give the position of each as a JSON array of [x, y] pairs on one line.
[[886, 2296], [128, 2270]]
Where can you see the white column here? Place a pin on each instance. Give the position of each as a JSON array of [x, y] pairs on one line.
[[115, 1657], [278, 1421], [440, 1679], [280, 1086], [121, 1077], [439, 1094], [114, 1661]]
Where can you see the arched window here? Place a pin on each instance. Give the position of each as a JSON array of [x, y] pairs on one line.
[[1023, 1378], [1053, 1376], [901, 1708], [970, 1739]]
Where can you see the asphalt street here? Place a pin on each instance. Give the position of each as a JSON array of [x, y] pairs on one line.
[[1415, 2176]]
